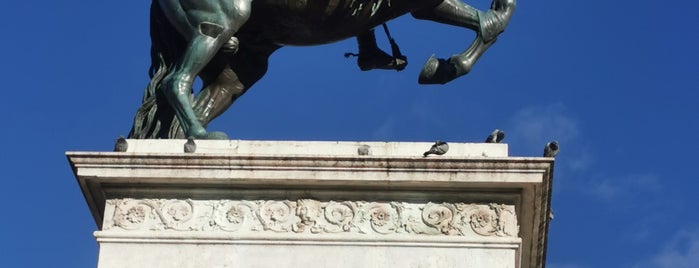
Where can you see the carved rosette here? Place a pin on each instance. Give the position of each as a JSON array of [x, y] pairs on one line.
[[313, 217], [492, 220], [483, 222], [231, 216], [131, 215], [383, 217]]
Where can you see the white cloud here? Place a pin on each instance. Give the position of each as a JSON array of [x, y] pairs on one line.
[[420, 112], [541, 124], [604, 189], [532, 127], [385, 130], [624, 187], [581, 161], [681, 252]]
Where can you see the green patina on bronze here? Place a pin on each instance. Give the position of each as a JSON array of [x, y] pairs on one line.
[[227, 45]]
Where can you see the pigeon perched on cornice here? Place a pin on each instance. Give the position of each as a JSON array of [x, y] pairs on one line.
[[551, 149], [121, 145], [438, 148], [550, 214], [190, 146], [364, 150], [495, 137]]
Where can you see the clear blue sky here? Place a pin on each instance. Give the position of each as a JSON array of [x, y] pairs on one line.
[[615, 82]]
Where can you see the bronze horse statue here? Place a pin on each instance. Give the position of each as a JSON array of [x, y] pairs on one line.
[[227, 44]]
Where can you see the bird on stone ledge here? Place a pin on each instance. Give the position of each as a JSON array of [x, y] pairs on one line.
[[551, 149], [438, 148], [495, 137], [364, 149], [121, 145], [190, 146]]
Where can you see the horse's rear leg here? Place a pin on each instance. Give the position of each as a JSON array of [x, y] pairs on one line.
[[487, 25], [208, 28]]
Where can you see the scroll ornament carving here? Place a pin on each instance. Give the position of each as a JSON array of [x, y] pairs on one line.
[[312, 216]]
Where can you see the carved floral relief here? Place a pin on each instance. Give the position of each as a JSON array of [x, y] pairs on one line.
[[312, 216]]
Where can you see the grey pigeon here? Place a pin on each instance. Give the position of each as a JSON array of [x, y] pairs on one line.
[[190, 146], [551, 149], [495, 137], [364, 149], [121, 145], [438, 148], [550, 214]]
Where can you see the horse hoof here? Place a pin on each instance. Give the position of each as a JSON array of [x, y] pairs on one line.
[[213, 135], [437, 71], [428, 70]]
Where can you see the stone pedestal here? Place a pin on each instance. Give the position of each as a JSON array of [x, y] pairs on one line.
[[315, 204]]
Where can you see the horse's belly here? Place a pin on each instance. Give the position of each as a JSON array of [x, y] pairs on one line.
[[311, 22]]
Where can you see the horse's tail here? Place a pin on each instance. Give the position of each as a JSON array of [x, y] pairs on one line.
[[155, 118]]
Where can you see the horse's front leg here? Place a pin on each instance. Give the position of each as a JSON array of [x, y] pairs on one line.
[[217, 95], [488, 26], [228, 77], [207, 25]]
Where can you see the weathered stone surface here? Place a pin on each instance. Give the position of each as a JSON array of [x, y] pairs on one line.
[[317, 204], [318, 148]]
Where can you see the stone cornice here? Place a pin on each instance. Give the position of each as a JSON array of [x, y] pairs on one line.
[[391, 175]]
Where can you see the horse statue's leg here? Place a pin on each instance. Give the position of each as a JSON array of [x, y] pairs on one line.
[[372, 57], [228, 77], [488, 25], [220, 90], [206, 25]]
